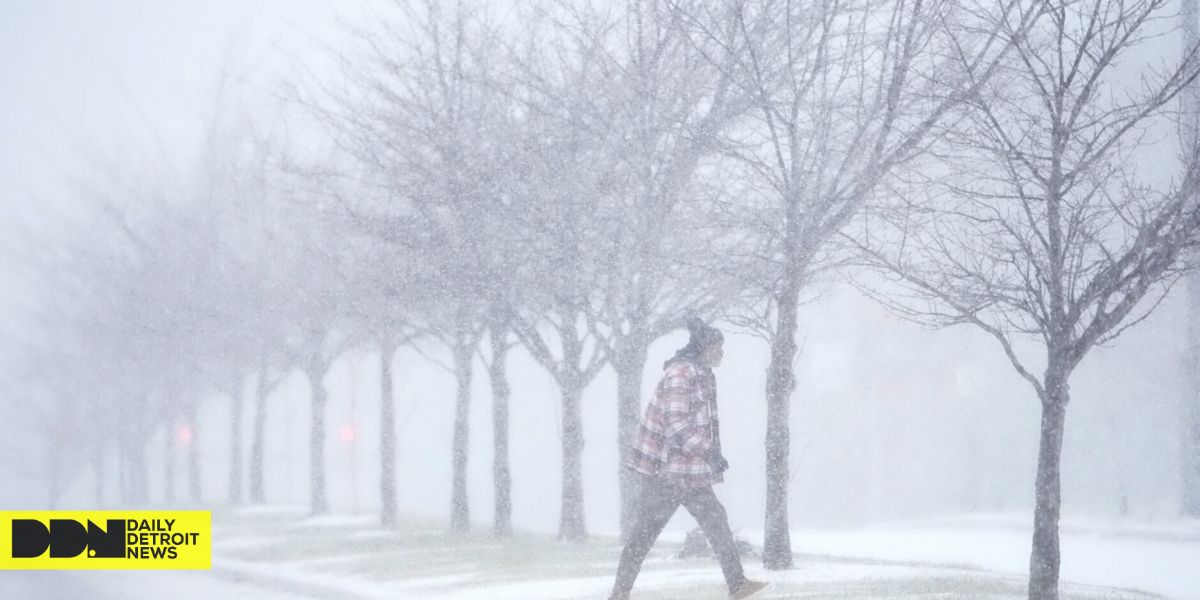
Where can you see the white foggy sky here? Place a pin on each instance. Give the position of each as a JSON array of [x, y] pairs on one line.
[[99, 73], [126, 80], [107, 75]]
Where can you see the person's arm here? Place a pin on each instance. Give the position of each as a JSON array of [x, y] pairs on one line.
[[685, 413]]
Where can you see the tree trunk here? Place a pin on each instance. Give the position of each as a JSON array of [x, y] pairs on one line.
[[629, 363], [781, 380], [1045, 559], [316, 448], [501, 476], [139, 485], [1190, 461], [460, 510], [1190, 446], [193, 452], [572, 526], [237, 405], [138, 480], [387, 441], [169, 461], [258, 437]]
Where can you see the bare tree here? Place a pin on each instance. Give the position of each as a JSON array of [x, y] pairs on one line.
[[424, 126], [1043, 229], [554, 318], [319, 334], [500, 343], [162, 291], [43, 371], [670, 104], [304, 293], [842, 94], [559, 197], [265, 379]]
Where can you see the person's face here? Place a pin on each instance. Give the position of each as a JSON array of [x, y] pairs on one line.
[[713, 354]]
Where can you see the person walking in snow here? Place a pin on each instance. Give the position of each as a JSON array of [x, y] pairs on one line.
[[677, 453]]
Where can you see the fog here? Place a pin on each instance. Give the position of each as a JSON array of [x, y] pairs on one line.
[[114, 113], [892, 422]]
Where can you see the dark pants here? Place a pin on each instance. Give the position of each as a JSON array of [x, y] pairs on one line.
[[659, 500]]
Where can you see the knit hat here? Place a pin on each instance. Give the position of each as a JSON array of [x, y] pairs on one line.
[[702, 334]]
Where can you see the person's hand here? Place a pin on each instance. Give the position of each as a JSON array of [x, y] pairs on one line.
[[717, 462]]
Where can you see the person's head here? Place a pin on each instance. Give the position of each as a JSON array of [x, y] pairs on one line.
[[705, 343], [713, 353]]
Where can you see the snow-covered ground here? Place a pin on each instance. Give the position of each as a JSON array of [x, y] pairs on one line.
[[1162, 559], [663, 578], [348, 557]]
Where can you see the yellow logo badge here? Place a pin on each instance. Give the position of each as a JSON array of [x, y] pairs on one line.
[[106, 539]]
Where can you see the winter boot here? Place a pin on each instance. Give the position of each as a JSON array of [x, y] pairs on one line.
[[746, 589]]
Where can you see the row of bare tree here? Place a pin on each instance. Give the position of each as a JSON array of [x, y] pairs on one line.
[[574, 179]]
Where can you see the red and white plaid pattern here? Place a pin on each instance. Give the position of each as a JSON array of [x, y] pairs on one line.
[[679, 429]]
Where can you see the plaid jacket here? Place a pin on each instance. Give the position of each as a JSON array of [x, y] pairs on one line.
[[680, 430]]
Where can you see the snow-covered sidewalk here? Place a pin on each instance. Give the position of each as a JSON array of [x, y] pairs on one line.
[[350, 558]]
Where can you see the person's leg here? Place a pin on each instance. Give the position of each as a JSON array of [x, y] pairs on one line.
[[656, 505], [709, 512]]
